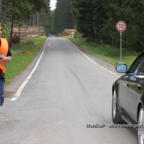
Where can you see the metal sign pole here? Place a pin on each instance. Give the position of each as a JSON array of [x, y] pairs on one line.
[[120, 46], [121, 26]]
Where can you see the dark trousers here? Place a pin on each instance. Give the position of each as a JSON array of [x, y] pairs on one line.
[[2, 82]]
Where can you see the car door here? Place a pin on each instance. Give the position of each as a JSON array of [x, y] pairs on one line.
[[124, 94], [135, 86]]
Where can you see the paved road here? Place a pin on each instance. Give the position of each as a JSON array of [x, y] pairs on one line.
[[51, 35], [66, 92]]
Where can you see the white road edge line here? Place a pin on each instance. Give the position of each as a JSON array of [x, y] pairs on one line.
[[28, 78], [92, 60]]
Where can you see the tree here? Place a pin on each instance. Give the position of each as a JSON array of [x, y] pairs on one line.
[[89, 16], [23, 8], [38, 5], [130, 11], [46, 17], [25, 11], [63, 17], [97, 19], [20, 9], [52, 30], [6, 11], [0, 9]]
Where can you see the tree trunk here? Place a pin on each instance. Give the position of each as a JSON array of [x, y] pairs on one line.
[[10, 45], [33, 20], [122, 3], [10, 42], [27, 22], [37, 19], [19, 32], [19, 35], [0, 9]]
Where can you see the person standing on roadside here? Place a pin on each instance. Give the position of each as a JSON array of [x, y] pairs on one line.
[[5, 56]]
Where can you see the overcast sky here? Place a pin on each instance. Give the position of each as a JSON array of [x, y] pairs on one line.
[[52, 4]]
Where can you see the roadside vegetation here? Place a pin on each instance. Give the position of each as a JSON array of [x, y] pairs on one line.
[[62, 17], [22, 56], [17, 13], [106, 52], [96, 20]]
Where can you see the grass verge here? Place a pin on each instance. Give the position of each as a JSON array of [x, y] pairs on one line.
[[22, 56], [108, 53]]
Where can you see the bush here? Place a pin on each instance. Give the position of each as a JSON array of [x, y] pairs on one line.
[[6, 31]]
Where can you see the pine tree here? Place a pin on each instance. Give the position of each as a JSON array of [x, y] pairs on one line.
[[52, 29], [97, 19], [130, 11], [46, 17], [63, 18], [89, 15]]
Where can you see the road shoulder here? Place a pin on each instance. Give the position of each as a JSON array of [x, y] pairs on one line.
[[97, 60], [16, 82]]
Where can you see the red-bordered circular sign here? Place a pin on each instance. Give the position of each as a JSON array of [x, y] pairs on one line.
[[121, 26]]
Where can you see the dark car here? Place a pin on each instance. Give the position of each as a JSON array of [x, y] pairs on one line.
[[128, 96]]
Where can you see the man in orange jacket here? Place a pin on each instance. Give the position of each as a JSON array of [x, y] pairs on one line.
[[5, 56]]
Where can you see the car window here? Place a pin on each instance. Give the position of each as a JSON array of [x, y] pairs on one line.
[[136, 65], [142, 69]]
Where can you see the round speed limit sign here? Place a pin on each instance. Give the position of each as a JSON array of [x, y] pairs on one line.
[[121, 26]]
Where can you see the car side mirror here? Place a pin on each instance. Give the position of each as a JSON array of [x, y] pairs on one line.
[[122, 68]]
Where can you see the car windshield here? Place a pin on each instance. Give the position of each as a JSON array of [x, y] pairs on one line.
[[136, 65]]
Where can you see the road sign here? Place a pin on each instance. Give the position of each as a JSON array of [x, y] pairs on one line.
[[121, 26]]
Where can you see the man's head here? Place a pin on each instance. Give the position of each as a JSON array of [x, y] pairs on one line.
[[1, 29]]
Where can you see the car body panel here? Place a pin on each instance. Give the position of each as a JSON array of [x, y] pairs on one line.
[[135, 93], [130, 90]]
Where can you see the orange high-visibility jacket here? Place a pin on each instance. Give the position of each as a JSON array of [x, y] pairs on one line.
[[3, 51]]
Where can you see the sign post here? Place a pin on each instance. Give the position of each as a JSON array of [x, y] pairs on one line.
[[121, 26], [120, 46]]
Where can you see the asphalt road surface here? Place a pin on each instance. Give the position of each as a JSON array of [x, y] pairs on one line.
[[51, 35], [66, 93]]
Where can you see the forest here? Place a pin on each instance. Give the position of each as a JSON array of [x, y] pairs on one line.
[[14, 12], [62, 17], [96, 20]]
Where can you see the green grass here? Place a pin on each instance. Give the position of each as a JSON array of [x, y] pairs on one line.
[[108, 53], [20, 61]]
